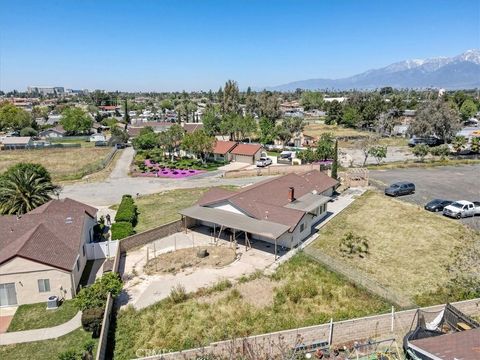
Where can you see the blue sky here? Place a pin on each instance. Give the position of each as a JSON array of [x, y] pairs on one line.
[[198, 44]]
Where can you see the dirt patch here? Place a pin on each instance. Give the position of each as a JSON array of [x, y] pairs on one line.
[[183, 259], [259, 293]]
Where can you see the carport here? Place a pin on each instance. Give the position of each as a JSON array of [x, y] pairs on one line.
[[222, 220]]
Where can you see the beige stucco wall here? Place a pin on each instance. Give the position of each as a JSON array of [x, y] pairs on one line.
[[26, 273]]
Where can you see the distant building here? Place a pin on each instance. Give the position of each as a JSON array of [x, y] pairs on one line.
[[339, 99], [17, 142], [56, 132], [46, 90]]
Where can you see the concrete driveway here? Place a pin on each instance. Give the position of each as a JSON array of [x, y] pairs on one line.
[[445, 182]]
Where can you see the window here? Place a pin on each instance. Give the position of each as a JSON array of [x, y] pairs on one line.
[[78, 264], [83, 249], [43, 285], [302, 227]]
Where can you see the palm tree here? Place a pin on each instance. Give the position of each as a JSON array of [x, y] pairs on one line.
[[23, 191]]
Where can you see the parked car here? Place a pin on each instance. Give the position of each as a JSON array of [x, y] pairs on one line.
[[437, 205], [264, 161], [101, 143], [430, 141], [462, 208], [120, 146], [400, 188]]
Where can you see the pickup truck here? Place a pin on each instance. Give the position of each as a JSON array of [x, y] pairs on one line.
[[462, 208], [264, 161]]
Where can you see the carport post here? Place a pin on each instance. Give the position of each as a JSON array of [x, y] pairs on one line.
[[275, 249]]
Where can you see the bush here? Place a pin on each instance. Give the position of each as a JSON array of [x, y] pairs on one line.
[[68, 355], [127, 211], [420, 151], [121, 230], [352, 244], [28, 131], [95, 296], [92, 320], [178, 294]]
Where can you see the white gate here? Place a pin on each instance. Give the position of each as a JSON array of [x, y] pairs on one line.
[[101, 250]]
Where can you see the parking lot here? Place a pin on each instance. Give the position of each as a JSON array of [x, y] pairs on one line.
[[446, 182]]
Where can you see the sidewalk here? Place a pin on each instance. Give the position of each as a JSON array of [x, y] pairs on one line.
[[41, 334]]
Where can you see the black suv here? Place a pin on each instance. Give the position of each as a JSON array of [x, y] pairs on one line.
[[430, 141], [400, 188]]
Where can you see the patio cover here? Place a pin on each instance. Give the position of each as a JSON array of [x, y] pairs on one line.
[[231, 220]]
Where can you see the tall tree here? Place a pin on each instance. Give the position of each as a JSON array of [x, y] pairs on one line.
[[335, 161], [199, 143], [211, 122], [334, 113], [230, 100], [312, 100], [326, 146], [269, 106], [76, 121], [13, 118], [435, 118], [267, 131], [468, 109], [22, 190]]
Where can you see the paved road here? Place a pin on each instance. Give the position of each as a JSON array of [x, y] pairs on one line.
[[42, 334], [110, 191], [446, 182]]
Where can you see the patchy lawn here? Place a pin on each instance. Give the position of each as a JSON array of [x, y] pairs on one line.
[[161, 208], [316, 130], [46, 349], [63, 164], [183, 259], [409, 247], [36, 316], [300, 293]]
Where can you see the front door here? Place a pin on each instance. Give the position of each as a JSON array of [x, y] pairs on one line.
[[8, 295]]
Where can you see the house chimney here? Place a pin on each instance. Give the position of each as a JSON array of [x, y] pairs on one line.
[[291, 193]]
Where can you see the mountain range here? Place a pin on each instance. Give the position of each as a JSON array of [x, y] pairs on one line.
[[458, 72]]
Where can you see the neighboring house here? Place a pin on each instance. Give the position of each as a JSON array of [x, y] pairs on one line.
[[281, 211], [191, 127], [43, 252], [97, 137], [247, 153], [17, 142], [56, 132], [222, 150]]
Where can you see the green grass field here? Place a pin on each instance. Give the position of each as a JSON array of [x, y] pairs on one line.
[[36, 316], [409, 248], [46, 349], [300, 293]]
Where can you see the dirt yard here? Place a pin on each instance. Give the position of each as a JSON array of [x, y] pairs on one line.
[[63, 164], [183, 259]]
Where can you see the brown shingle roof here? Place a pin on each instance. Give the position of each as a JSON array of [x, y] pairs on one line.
[[463, 345], [246, 149], [190, 128], [267, 199], [45, 235], [223, 147]]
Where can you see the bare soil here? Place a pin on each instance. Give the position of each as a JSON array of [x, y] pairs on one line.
[[187, 259]]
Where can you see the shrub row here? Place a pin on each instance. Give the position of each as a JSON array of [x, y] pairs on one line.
[[127, 211], [121, 230]]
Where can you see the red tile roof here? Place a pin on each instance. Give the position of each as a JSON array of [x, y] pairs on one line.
[[223, 147], [247, 149], [266, 200], [51, 234]]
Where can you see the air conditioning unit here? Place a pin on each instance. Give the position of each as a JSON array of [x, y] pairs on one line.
[[52, 302]]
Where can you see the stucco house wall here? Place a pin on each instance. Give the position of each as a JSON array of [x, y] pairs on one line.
[[25, 274]]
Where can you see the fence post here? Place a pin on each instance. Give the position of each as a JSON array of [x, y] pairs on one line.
[[330, 333], [393, 319]]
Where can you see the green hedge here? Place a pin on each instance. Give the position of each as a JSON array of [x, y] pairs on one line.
[[121, 230], [127, 211], [92, 320]]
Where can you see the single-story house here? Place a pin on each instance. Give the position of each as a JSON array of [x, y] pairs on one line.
[[222, 150], [56, 132], [281, 211], [191, 127], [97, 137], [17, 142], [43, 252], [247, 153]]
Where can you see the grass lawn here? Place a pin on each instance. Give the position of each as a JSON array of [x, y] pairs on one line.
[[338, 131], [63, 164], [409, 247], [36, 316], [46, 349], [161, 208], [300, 293]]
